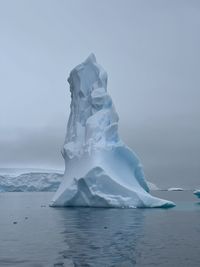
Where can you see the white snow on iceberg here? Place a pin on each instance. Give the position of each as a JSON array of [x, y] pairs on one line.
[[100, 170]]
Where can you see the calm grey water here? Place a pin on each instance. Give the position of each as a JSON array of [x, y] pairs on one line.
[[33, 234]]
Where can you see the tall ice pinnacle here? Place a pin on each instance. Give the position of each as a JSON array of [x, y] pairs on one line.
[[100, 170]]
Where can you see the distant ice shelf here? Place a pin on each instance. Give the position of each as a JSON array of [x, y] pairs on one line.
[[100, 170], [29, 182]]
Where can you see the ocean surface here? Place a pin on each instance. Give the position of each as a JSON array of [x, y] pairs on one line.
[[33, 234]]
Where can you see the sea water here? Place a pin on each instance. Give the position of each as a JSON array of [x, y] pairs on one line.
[[33, 234]]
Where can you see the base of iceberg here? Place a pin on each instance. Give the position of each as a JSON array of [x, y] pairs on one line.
[[103, 183], [97, 189]]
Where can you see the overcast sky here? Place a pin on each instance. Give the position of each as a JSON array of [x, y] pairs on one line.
[[151, 51]]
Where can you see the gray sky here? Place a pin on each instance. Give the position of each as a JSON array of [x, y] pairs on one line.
[[150, 50]]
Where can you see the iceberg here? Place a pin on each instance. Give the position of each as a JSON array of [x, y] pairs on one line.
[[197, 193], [100, 170]]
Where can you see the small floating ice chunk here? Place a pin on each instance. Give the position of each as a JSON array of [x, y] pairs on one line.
[[197, 193], [175, 189]]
